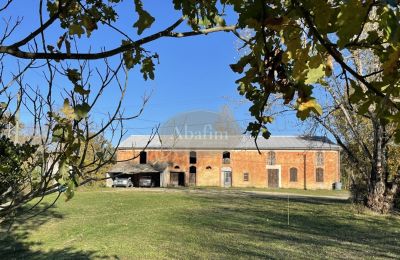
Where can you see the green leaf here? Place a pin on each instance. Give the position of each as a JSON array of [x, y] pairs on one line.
[[147, 68], [76, 29], [89, 24], [58, 133], [145, 20], [82, 110], [314, 75], [265, 133], [350, 19], [70, 191], [73, 75], [241, 64], [79, 89]]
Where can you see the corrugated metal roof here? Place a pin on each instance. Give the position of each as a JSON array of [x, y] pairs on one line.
[[129, 167], [231, 143]]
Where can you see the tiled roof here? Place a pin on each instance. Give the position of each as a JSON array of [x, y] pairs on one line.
[[231, 143]]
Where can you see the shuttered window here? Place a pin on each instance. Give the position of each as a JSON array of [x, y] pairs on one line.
[[293, 174]]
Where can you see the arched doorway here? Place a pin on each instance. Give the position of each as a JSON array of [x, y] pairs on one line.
[[192, 175]]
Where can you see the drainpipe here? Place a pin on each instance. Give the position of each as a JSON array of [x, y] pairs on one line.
[[339, 173], [305, 171]]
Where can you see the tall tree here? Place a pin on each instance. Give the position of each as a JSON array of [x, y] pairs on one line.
[[367, 141], [297, 45]]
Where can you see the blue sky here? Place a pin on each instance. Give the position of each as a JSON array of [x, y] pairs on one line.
[[193, 73]]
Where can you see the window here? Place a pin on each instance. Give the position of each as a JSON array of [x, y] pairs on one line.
[[192, 157], [192, 169], [271, 158], [319, 176], [246, 176], [209, 167], [143, 157], [320, 159], [293, 174], [226, 157]]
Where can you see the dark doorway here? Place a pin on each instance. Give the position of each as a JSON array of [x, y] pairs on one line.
[[273, 178], [177, 178]]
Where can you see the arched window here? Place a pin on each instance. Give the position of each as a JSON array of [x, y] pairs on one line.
[[319, 175], [192, 157], [226, 157], [143, 157], [271, 158], [320, 159], [192, 169], [177, 167], [293, 174]]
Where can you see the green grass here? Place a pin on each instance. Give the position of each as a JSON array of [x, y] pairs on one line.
[[206, 224], [329, 193]]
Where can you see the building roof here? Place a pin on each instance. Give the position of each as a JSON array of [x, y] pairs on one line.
[[243, 142], [129, 167]]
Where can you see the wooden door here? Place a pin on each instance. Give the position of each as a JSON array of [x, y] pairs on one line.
[[273, 178], [174, 179]]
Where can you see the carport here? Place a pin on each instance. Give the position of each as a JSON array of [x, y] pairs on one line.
[[135, 172]]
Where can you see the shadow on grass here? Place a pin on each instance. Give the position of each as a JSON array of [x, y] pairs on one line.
[[256, 226], [14, 243]]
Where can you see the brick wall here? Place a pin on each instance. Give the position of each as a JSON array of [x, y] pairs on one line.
[[210, 163]]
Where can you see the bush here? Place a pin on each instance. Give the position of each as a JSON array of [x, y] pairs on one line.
[[359, 192], [397, 201]]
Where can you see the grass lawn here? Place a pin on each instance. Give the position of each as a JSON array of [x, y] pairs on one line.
[[207, 224], [329, 193]]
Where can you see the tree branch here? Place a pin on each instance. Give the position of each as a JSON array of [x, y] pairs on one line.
[[337, 55], [43, 27], [16, 52]]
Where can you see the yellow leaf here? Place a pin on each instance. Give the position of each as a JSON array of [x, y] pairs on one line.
[[67, 110]]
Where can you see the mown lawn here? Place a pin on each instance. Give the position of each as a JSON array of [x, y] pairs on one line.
[[206, 224], [329, 193]]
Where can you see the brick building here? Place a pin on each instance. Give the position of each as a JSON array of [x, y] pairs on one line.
[[284, 162]]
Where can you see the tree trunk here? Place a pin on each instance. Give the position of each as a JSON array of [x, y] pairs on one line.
[[380, 198], [381, 193]]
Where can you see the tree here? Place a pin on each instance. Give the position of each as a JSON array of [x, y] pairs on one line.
[[67, 145], [297, 45], [360, 137]]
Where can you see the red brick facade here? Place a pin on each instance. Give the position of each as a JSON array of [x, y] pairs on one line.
[[248, 168]]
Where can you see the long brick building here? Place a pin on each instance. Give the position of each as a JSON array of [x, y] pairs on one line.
[[284, 162]]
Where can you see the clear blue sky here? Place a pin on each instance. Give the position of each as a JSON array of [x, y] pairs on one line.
[[193, 73]]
